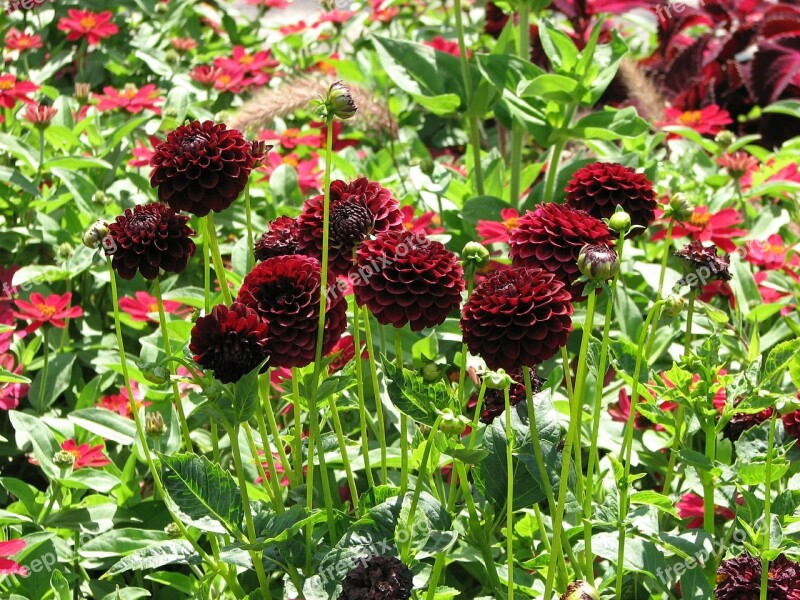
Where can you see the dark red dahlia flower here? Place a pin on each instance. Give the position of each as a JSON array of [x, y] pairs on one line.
[[404, 277], [357, 210], [147, 238], [201, 167], [740, 579], [517, 317], [494, 400], [791, 423], [702, 265], [285, 291], [741, 422], [378, 578], [231, 342], [551, 237], [280, 239], [600, 187]]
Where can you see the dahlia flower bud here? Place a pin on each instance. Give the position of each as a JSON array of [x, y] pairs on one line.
[[40, 116], [65, 251], [384, 577], [791, 423], [93, 236], [494, 401], [172, 530], [598, 262], [171, 56], [259, 149], [475, 256], [498, 380], [431, 372], [154, 374], [452, 424], [673, 306], [725, 138], [82, 91], [340, 101], [63, 459], [155, 425], [100, 198], [580, 590], [682, 209], [620, 222]]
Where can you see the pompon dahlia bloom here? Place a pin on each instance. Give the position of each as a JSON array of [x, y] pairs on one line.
[[280, 239], [741, 422], [404, 277], [791, 423], [285, 292], [551, 237], [357, 209], [494, 400], [378, 578], [231, 341], [517, 317], [87, 24], [201, 167], [600, 187], [740, 579], [147, 238]]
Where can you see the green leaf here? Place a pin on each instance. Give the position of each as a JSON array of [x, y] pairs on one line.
[[153, 557], [245, 396], [202, 492], [119, 542], [609, 124], [786, 107], [59, 374], [415, 397], [43, 441], [549, 86], [780, 358], [651, 498], [558, 47], [9, 377], [77, 163], [105, 423]]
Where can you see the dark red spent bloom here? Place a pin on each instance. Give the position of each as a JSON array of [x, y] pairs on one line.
[[551, 238], [357, 210], [404, 277], [147, 238], [740, 579], [280, 239], [741, 422], [201, 167], [496, 20], [600, 187], [285, 292], [791, 423], [378, 578], [231, 342], [702, 264], [517, 317], [494, 400]]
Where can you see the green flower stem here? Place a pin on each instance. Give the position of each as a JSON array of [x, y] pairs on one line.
[[473, 432], [474, 126], [377, 394], [555, 157], [462, 373], [423, 473], [567, 373], [710, 430], [572, 443], [765, 545], [298, 460], [297, 450], [215, 442], [594, 455], [219, 268], [362, 410], [517, 130], [206, 268], [263, 385], [348, 469], [249, 221], [398, 357], [176, 395], [509, 495], [233, 435], [627, 446], [45, 367], [268, 481]]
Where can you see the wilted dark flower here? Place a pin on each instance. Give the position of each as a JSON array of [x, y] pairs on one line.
[[600, 187], [741, 422], [404, 277], [201, 167], [791, 423], [378, 578], [147, 238], [740, 579], [598, 262], [702, 265], [494, 400], [551, 237], [230, 341], [280, 239], [258, 150], [517, 317], [357, 210], [285, 291]]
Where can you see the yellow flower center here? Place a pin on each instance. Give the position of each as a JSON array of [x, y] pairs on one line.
[[246, 59], [46, 310], [23, 42], [224, 79], [129, 91], [690, 117], [151, 308], [290, 160], [700, 219], [6, 83], [511, 223], [75, 453], [88, 22]]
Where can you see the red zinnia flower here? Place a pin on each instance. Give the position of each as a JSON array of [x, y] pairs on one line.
[[250, 63], [691, 506], [703, 226], [145, 307], [492, 232], [404, 277], [517, 317], [738, 164], [85, 455], [709, 120], [598, 189], [131, 98], [12, 91], [443, 45], [285, 292], [120, 404], [551, 237], [8, 566], [205, 75], [11, 393], [18, 40], [183, 44], [357, 210], [309, 176], [770, 255], [142, 153], [422, 223], [40, 115], [343, 352], [620, 412], [53, 310], [87, 24]]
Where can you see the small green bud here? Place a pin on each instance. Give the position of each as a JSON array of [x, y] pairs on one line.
[[725, 138], [100, 198], [427, 166], [65, 251], [340, 101], [431, 372], [63, 459], [172, 530], [682, 208], [451, 424], [597, 262], [498, 380], [620, 222], [171, 57], [155, 374], [674, 304], [580, 590], [155, 425], [475, 255], [95, 235], [162, 8]]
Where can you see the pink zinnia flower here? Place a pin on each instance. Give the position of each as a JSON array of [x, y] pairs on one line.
[[54, 310], [690, 506], [143, 153], [770, 255], [492, 232], [19, 40], [703, 226], [12, 90], [443, 45], [87, 24], [131, 98], [425, 223], [120, 403], [290, 138], [308, 173], [11, 393], [144, 307], [292, 28], [8, 566], [85, 454], [240, 59], [707, 121]]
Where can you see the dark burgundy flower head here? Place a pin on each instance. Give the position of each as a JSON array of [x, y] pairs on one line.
[[517, 317], [404, 277], [741, 422], [494, 400], [357, 210], [259, 150], [551, 237], [147, 238], [600, 187], [791, 423], [285, 291], [201, 167], [280, 239], [496, 20], [229, 341], [378, 578], [702, 265], [740, 579]]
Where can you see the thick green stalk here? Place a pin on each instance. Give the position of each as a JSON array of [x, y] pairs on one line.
[[768, 507], [297, 450], [45, 367], [249, 220], [219, 267], [398, 357], [474, 127], [555, 157], [509, 495], [377, 393], [517, 130], [362, 410], [264, 383], [462, 373], [176, 394], [708, 479], [268, 480]]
